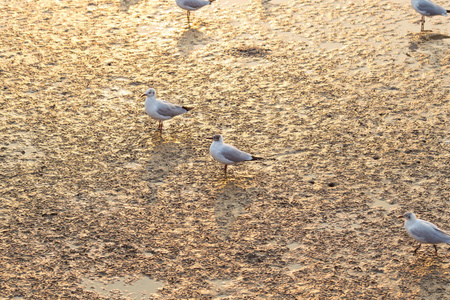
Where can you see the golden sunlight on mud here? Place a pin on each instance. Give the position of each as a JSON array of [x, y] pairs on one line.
[[347, 101]]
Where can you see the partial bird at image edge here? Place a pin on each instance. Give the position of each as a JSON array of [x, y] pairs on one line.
[[424, 232]]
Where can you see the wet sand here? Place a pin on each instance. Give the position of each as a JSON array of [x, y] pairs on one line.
[[347, 100]]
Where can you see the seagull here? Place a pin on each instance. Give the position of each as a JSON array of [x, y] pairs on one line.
[[161, 110], [429, 9], [189, 5], [424, 232], [228, 154]]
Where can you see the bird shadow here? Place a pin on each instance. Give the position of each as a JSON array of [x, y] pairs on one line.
[[425, 271], [266, 8], [190, 40], [431, 36], [231, 201], [427, 39], [126, 4], [428, 35], [165, 155], [157, 137]]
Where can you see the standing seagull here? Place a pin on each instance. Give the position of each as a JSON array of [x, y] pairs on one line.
[[429, 9], [161, 110], [424, 232], [227, 154], [189, 5]]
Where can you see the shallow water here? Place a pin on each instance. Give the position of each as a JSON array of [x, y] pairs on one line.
[[135, 290], [346, 100]]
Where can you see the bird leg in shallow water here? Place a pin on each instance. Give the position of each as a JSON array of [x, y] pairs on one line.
[[415, 250], [422, 24]]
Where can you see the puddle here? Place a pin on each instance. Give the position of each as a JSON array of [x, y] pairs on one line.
[[347, 227], [383, 204], [278, 2], [122, 78], [380, 203], [291, 36], [293, 246], [295, 267], [136, 290], [115, 91], [220, 282], [143, 30], [23, 152], [254, 63], [149, 254], [73, 246], [132, 165], [311, 178], [331, 45], [220, 287], [230, 3]]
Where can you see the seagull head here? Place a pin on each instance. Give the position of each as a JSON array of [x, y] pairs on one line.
[[149, 93], [216, 138], [409, 216]]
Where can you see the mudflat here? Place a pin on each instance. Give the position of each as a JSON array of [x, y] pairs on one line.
[[348, 102]]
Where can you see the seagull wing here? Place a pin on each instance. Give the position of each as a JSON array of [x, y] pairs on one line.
[[430, 9], [233, 154], [168, 109], [195, 4], [427, 232]]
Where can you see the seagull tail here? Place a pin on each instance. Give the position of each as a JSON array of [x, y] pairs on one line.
[[211, 1], [256, 158], [187, 108]]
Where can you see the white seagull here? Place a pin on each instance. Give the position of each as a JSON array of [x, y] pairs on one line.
[[228, 154], [429, 9], [161, 110], [424, 232], [189, 5]]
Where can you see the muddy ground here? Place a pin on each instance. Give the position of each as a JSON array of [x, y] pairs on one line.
[[348, 102]]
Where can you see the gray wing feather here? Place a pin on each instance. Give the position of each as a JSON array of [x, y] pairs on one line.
[[170, 110], [234, 154], [195, 4], [444, 235], [430, 234], [430, 9]]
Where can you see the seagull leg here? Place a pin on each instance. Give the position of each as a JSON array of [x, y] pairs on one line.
[[435, 249], [189, 22], [422, 24], [225, 169], [160, 126], [415, 250]]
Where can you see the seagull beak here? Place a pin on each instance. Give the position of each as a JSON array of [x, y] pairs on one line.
[[400, 216], [144, 95], [209, 138]]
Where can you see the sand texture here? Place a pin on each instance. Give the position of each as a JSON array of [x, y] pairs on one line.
[[347, 100]]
